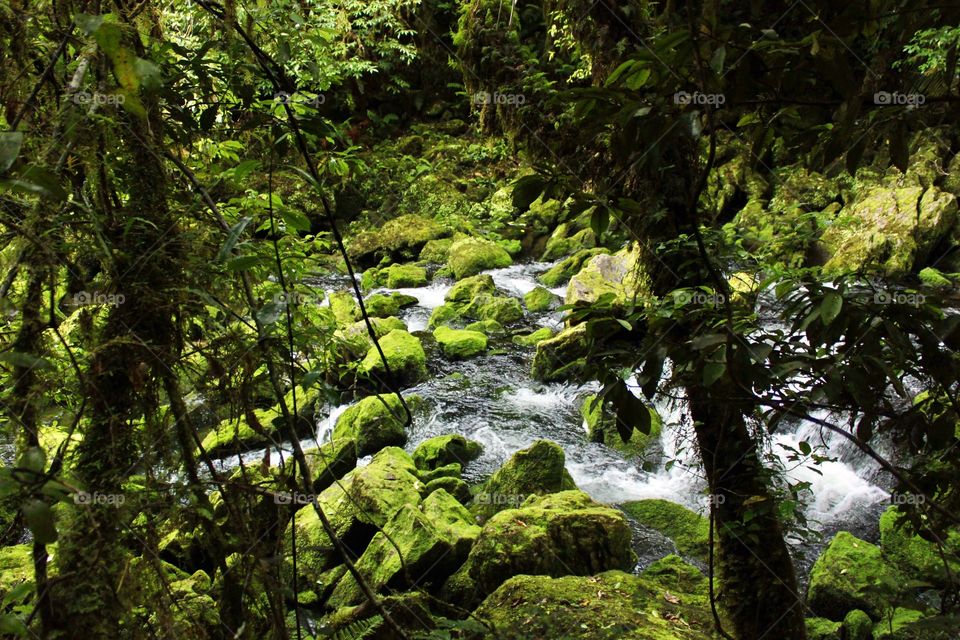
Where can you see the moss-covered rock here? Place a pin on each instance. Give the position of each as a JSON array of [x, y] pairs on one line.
[[460, 343], [344, 306], [398, 239], [915, 556], [602, 427], [193, 612], [425, 551], [453, 520], [537, 470], [533, 339], [610, 606], [366, 497], [688, 530], [564, 533], [328, 462], [449, 470], [566, 269], [674, 573], [257, 428], [381, 305], [436, 251], [454, 486], [620, 274], [475, 298], [354, 339], [500, 309], [564, 241], [857, 625], [822, 629], [909, 624], [374, 423], [470, 256], [934, 278], [562, 356], [889, 229], [405, 355], [442, 450], [16, 566], [487, 327], [540, 299], [851, 574]]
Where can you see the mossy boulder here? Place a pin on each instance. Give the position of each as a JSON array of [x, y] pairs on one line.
[[620, 274], [193, 617], [436, 251], [563, 356], [688, 530], [487, 327], [454, 486], [374, 423], [328, 462], [822, 629], [540, 299], [475, 298], [910, 624], [561, 272], [345, 308], [500, 309], [914, 555], [453, 520], [602, 427], [398, 239], [470, 256], [449, 470], [354, 339], [610, 606], [468, 289], [261, 427], [538, 469], [889, 229], [425, 551], [533, 339], [564, 533], [381, 305], [851, 574], [857, 625], [460, 343], [16, 566], [934, 278], [366, 497], [565, 240], [442, 450], [405, 355]]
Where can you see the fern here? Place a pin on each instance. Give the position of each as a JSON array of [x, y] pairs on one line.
[[358, 630]]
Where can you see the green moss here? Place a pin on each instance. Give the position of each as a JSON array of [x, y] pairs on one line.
[[562, 243], [442, 450], [537, 469], [381, 305], [603, 428], [453, 521], [454, 486], [620, 274], [436, 251], [488, 327], [374, 423], [470, 256], [934, 278], [344, 306], [354, 339], [16, 566], [444, 314], [402, 237], [449, 470], [395, 276], [562, 356], [474, 298], [532, 339], [460, 343], [366, 496], [915, 556], [822, 629], [896, 625], [404, 354], [857, 625], [850, 574], [688, 530], [563, 271], [674, 573], [540, 299], [500, 309]]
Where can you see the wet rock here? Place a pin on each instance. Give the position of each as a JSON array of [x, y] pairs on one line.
[[374, 423], [400, 238], [563, 356], [442, 450], [533, 339], [620, 274], [470, 256], [405, 355], [563, 271], [460, 343], [541, 299], [688, 530]]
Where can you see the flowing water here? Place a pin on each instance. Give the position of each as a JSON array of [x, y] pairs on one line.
[[494, 400]]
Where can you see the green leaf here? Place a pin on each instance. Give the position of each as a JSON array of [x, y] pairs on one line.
[[717, 59], [36, 181], [599, 221], [526, 190], [33, 459], [10, 142], [26, 360], [243, 263], [830, 307], [39, 518], [296, 220], [638, 79], [630, 411], [712, 371], [805, 447], [232, 237]]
